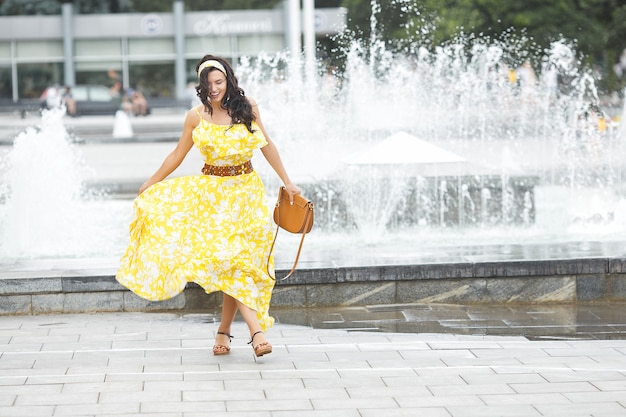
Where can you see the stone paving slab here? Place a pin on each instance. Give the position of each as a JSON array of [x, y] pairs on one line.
[[161, 364]]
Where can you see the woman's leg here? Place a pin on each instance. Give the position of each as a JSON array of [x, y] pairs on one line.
[[229, 309], [222, 338], [259, 343]]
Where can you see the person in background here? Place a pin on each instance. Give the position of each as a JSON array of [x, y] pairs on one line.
[[134, 103], [68, 100], [138, 103]]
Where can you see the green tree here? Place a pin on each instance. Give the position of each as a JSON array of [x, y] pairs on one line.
[[596, 27], [29, 7]]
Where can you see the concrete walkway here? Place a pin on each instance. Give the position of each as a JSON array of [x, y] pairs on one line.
[[157, 364]]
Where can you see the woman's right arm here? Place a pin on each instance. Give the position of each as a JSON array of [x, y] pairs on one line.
[[175, 158]]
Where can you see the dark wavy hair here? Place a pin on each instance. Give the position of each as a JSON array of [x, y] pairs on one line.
[[235, 101]]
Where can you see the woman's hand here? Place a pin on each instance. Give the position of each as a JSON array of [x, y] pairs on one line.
[[144, 186], [292, 189]]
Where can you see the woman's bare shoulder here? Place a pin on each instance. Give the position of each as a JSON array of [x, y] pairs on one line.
[[193, 116]]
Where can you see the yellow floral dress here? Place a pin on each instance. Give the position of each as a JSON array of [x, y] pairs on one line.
[[215, 231]]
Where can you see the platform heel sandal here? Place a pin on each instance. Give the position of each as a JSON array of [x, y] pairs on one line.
[[262, 348], [219, 350]]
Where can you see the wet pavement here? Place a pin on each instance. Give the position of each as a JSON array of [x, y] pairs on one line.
[[576, 321]]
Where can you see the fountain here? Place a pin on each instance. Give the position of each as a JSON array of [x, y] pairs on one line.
[[532, 157], [47, 211], [543, 161]]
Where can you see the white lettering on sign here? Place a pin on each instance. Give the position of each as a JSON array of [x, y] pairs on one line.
[[222, 25]]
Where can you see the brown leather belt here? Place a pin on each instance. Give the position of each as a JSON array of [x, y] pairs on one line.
[[228, 171]]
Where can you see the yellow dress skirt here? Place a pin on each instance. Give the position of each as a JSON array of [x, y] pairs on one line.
[[214, 231]]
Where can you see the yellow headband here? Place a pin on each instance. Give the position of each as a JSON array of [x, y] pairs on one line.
[[211, 63]]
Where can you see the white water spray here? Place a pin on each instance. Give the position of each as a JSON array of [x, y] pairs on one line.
[[47, 211]]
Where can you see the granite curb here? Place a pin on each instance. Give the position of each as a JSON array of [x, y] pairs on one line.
[[528, 281]]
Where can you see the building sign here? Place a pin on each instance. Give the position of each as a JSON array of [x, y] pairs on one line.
[[318, 21], [222, 24], [151, 24]]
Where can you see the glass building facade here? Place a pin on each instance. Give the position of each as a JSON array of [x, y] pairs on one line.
[[143, 51]]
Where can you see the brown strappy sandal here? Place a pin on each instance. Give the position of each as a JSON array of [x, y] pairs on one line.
[[222, 349], [262, 348]]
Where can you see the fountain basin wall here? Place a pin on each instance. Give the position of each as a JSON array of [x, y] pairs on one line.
[[433, 201], [549, 281]]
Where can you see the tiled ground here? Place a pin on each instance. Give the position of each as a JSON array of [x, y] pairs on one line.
[[149, 364]]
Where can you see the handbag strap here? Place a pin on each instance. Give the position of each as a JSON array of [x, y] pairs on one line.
[[293, 268]]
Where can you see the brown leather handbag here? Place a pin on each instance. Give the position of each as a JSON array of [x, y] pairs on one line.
[[294, 218]]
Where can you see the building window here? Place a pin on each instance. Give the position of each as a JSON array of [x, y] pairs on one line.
[[153, 79], [28, 50], [35, 78], [252, 45], [98, 48], [6, 86], [214, 45], [5, 51], [156, 48], [98, 72]]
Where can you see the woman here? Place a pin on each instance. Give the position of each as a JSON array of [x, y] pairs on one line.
[[213, 229]]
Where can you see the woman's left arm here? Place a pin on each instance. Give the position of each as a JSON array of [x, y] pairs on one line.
[[271, 154]]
